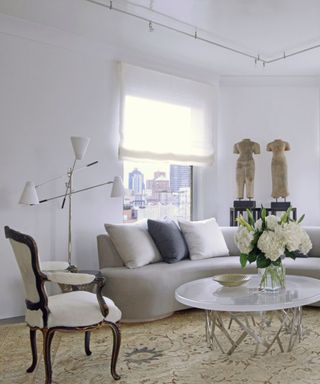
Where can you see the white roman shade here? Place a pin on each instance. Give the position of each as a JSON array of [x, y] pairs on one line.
[[166, 118]]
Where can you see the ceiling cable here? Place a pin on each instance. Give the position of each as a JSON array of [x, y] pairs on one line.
[[165, 26], [286, 55], [195, 35]]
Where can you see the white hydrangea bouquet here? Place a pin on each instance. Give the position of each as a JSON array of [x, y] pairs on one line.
[[267, 241]]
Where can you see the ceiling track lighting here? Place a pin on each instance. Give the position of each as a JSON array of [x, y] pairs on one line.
[[195, 35]]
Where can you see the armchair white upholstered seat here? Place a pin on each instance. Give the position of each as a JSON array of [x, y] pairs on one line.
[[67, 312], [82, 310]]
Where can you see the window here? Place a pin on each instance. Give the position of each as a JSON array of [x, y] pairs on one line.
[[155, 190], [167, 126]]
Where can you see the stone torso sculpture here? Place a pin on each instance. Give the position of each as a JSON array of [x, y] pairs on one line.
[[245, 167], [279, 169]]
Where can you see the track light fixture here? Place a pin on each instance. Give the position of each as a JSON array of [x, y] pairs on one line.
[[195, 35]]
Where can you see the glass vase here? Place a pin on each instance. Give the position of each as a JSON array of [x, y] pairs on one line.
[[272, 278]]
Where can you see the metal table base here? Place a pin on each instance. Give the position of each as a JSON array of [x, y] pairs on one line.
[[257, 325]]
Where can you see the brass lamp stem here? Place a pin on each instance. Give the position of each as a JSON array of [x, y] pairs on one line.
[[69, 218]]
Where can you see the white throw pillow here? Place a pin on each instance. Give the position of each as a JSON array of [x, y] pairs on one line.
[[204, 239], [133, 243]]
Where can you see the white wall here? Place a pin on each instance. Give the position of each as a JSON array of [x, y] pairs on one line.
[[53, 86], [264, 111], [47, 94]]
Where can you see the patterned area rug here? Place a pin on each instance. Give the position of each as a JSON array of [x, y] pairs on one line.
[[168, 351]]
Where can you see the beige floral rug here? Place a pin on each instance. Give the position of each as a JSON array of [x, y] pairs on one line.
[[168, 351]]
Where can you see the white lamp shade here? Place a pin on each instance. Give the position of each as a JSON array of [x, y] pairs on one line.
[[80, 145], [117, 187], [29, 194]]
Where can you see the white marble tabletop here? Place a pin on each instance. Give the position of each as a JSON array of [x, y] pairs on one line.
[[210, 295]]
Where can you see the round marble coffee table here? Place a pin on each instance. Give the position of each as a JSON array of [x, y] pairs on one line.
[[252, 309]]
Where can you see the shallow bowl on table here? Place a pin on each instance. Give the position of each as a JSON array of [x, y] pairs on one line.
[[231, 279]]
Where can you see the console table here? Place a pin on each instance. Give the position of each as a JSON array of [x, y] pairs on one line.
[[252, 310], [256, 212]]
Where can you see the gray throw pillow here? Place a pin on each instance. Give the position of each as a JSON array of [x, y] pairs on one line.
[[169, 240]]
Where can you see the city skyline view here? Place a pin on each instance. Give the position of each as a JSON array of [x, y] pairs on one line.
[[156, 190], [147, 168]]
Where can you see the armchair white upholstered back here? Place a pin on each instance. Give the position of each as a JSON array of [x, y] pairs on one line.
[[24, 260]]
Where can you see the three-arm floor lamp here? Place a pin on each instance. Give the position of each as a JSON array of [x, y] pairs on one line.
[[29, 194]]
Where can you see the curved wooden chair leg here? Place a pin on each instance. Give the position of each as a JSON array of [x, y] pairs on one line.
[[33, 342], [115, 349], [47, 340], [87, 343]]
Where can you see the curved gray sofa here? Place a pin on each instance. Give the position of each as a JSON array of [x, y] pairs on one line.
[[147, 293]]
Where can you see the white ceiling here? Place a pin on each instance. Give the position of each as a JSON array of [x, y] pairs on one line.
[[265, 27]]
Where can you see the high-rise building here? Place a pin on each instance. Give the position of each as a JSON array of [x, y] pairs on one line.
[[180, 177], [136, 182], [158, 185], [158, 174]]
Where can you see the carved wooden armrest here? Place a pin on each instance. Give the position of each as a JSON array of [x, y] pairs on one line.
[[70, 278], [100, 281]]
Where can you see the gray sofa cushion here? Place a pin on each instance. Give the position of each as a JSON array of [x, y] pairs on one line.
[[108, 255], [168, 239], [314, 234]]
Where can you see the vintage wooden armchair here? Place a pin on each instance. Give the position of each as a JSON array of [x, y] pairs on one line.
[[65, 312]]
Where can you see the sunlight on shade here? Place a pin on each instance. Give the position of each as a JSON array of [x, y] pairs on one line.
[[166, 118], [149, 123]]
